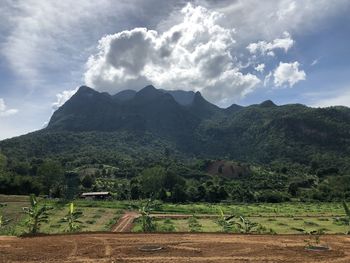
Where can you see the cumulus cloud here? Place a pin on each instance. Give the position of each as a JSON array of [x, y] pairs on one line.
[[62, 97], [4, 111], [260, 67], [288, 73], [194, 54], [266, 48]]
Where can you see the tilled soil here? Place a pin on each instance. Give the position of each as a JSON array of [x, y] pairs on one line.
[[179, 247]]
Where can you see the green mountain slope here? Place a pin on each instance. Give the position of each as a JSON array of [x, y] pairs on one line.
[[154, 122]]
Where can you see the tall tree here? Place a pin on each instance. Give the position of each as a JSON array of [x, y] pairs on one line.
[[51, 174]]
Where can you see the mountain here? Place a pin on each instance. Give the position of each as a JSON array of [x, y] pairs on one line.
[[184, 124], [180, 96]]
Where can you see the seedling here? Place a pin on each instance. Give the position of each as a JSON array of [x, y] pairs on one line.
[[314, 241]]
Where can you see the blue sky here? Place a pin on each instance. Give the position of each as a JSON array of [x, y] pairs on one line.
[[245, 52]]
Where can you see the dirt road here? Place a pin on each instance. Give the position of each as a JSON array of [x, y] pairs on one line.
[[122, 247], [125, 223]]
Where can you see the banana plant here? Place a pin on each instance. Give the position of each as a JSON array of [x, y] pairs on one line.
[[72, 218], [147, 222], [347, 218], [37, 215], [246, 226], [3, 221], [226, 223]]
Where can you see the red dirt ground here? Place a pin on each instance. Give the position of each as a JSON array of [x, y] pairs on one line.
[[182, 247]]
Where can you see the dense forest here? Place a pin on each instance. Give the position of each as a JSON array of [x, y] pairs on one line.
[[178, 147]]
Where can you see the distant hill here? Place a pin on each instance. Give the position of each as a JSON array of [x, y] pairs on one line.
[[153, 121]]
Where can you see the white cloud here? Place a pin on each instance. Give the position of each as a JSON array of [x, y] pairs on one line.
[[47, 41], [267, 79], [313, 63], [192, 55], [4, 111], [341, 98], [266, 48], [260, 67], [63, 97], [288, 73], [267, 20], [286, 11]]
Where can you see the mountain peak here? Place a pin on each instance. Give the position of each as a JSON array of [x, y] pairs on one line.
[[182, 97], [268, 103], [148, 93], [85, 89], [149, 88], [125, 95], [233, 108]]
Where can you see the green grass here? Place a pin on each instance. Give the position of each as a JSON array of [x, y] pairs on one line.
[[281, 225]]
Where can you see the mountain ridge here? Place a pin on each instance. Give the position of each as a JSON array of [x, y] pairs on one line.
[[260, 133]]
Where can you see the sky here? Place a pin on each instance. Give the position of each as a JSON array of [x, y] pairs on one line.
[[232, 51]]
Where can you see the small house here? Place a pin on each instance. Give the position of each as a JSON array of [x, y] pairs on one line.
[[96, 195]]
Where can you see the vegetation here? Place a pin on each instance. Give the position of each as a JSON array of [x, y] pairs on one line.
[[226, 223], [283, 218], [315, 239], [276, 160], [72, 218], [194, 225], [3, 221], [148, 225], [37, 215], [245, 226], [151, 146]]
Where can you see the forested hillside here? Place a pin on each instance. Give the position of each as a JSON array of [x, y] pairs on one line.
[[287, 148]]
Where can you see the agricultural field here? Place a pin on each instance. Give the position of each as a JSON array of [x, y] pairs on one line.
[[92, 219], [282, 218], [278, 225]]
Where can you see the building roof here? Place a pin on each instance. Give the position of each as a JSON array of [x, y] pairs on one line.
[[95, 193]]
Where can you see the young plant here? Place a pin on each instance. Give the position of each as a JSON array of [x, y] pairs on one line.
[[226, 223], [168, 226], [148, 224], [315, 238], [3, 221], [37, 215], [245, 226], [194, 225], [72, 218], [347, 212], [344, 220]]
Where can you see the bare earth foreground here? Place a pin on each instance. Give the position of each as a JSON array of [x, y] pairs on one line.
[[124, 247]]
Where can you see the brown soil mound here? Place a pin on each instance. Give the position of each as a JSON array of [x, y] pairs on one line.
[[228, 169], [120, 247]]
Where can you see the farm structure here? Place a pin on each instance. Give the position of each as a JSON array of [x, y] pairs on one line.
[[96, 195]]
